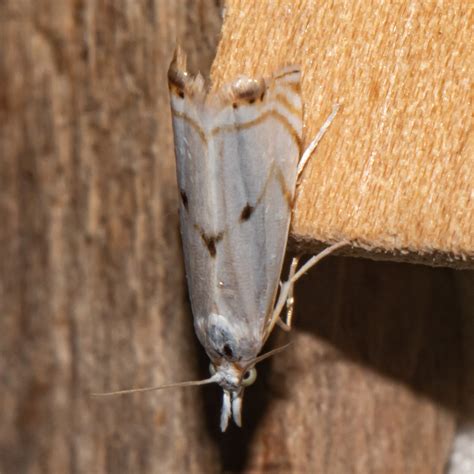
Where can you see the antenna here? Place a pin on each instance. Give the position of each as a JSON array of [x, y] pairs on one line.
[[212, 379]]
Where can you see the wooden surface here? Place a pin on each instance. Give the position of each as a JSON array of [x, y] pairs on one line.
[[92, 289], [92, 292], [395, 173]]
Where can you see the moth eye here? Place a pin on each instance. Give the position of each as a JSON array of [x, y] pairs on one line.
[[212, 369], [249, 377]]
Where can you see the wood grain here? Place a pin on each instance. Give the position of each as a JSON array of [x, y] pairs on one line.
[[92, 289], [92, 294], [395, 173]]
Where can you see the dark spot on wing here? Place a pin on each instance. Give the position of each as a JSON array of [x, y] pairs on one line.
[[184, 199], [211, 241], [227, 351], [247, 211], [222, 342], [235, 105], [181, 94], [211, 246]]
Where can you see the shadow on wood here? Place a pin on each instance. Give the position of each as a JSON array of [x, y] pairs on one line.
[[378, 343]]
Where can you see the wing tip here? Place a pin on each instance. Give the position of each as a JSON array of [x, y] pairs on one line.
[[180, 81], [243, 90]]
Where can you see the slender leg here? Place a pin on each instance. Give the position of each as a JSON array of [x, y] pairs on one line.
[[314, 143], [287, 287], [290, 300], [316, 258]]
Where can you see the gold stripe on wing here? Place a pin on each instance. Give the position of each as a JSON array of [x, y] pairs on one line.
[[295, 87], [275, 171], [283, 100], [192, 123], [269, 113], [284, 188]]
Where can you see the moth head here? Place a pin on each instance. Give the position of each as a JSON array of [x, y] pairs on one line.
[[233, 379]]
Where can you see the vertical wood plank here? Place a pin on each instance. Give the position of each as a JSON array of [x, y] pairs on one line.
[[92, 294]]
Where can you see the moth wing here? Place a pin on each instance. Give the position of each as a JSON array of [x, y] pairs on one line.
[[236, 154], [256, 141], [196, 181]]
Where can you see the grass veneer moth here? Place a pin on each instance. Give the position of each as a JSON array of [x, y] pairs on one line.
[[238, 158]]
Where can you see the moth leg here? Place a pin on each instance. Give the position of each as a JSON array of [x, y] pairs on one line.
[[290, 300], [286, 288], [317, 258], [314, 143]]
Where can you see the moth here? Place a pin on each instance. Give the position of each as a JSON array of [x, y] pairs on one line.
[[238, 158]]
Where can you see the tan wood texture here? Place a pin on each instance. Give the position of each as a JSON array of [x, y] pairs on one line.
[[374, 377], [395, 173], [92, 288]]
